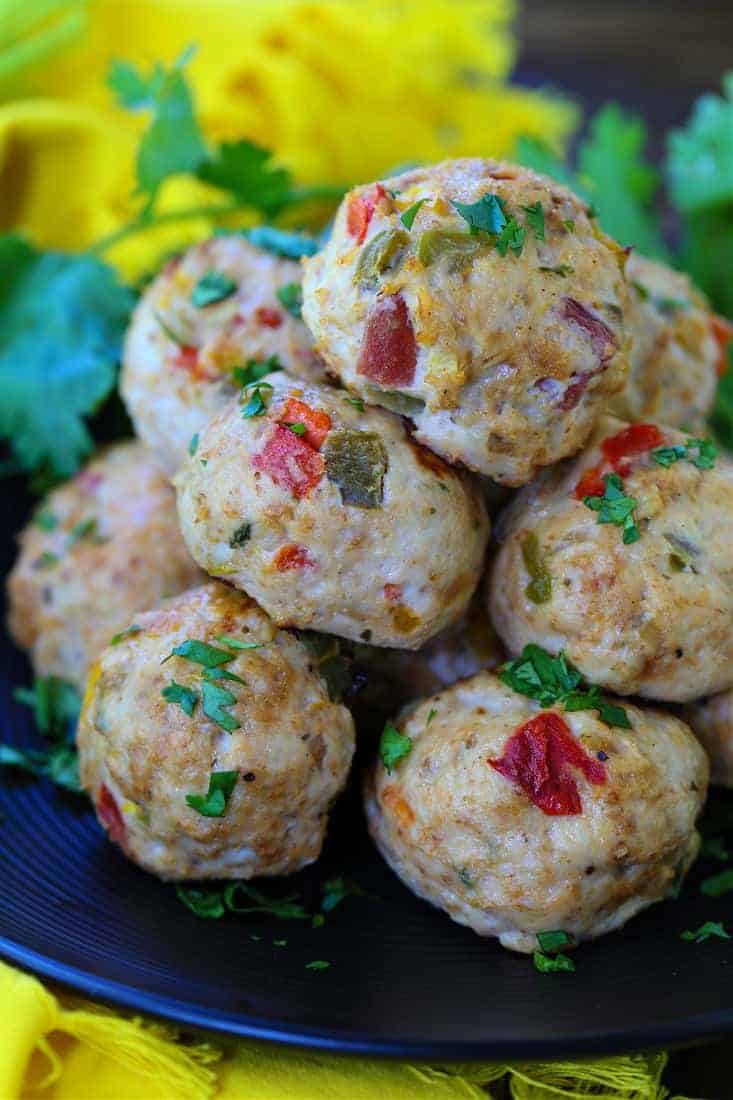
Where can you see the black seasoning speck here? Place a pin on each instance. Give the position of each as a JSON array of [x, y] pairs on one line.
[[366, 635], [678, 653], [249, 777]]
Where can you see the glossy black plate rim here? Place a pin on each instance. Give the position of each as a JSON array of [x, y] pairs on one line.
[[683, 1032]]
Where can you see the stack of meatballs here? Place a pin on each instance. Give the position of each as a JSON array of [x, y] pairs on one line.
[[319, 450]]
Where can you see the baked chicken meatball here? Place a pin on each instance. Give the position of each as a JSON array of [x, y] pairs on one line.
[[208, 742], [677, 348], [517, 820], [327, 514], [492, 315], [219, 306], [623, 559], [101, 547], [711, 720]]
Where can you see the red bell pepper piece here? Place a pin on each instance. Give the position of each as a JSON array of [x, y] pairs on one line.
[[388, 352], [317, 422], [290, 462]]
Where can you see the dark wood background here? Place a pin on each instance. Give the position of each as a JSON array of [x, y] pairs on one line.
[[652, 56]]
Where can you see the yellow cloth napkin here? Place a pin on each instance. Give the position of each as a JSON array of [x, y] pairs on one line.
[[59, 1049]]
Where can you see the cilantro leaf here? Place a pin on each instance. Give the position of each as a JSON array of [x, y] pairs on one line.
[[129, 632], [212, 287], [290, 297], [214, 701], [255, 370], [393, 746], [550, 942], [706, 931], [55, 703], [621, 183], [201, 653], [700, 156], [536, 154], [549, 680], [193, 444], [717, 885], [245, 170], [237, 643], [240, 535], [256, 403], [336, 889], [182, 696], [317, 964], [407, 217], [486, 215], [172, 144], [615, 507], [59, 763], [214, 803], [536, 219], [548, 964], [511, 238], [291, 246], [202, 901], [285, 907], [62, 319]]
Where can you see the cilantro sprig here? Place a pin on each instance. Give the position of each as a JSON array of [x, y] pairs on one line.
[[214, 802], [702, 453], [615, 507], [393, 746], [552, 681], [711, 929], [55, 704]]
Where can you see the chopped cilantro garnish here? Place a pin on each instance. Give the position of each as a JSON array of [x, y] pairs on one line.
[[255, 370], [182, 696], [46, 560], [201, 653], [551, 942], [317, 964], [172, 335], [84, 529], [193, 445], [536, 219], [214, 674], [431, 714], [336, 889], [667, 456], [237, 643], [709, 930], [407, 217], [550, 680], [256, 404], [293, 246], [286, 907], [356, 402], [318, 920], [511, 238], [214, 802], [297, 428], [393, 746], [486, 215], [46, 521], [214, 700], [615, 507], [290, 298], [717, 885], [240, 535], [203, 901], [700, 452], [569, 225], [55, 703], [548, 964], [279, 943], [128, 633], [212, 287]]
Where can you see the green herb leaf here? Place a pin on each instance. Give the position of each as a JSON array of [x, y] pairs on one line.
[[201, 653], [55, 704], [297, 428], [356, 402], [537, 154], [202, 901], [707, 452], [615, 507], [717, 885], [549, 964], [193, 445], [45, 521], [317, 964], [256, 404], [511, 238], [212, 287], [246, 171], [182, 696], [214, 700], [407, 217], [214, 803], [240, 535], [536, 219], [292, 246], [129, 632], [62, 319], [551, 942], [290, 298], [237, 643], [709, 930], [667, 456], [336, 889], [393, 746], [172, 144], [255, 370], [559, 269], [486, 215], [700, 156], [287, 907], [171, 334], [550, 680], [431, 714]]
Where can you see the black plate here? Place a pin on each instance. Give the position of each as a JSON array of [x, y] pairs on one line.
[[404, 980]]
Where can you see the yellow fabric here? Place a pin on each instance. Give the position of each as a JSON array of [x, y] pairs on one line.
[[54, 1050], [342, 90]]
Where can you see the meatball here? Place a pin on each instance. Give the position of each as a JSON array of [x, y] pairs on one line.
[[675, 355], [205, 325], [624, 560], [100, 548], [208, 742], [546, 820], [711, 720], [329, 515], [492, 315]]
